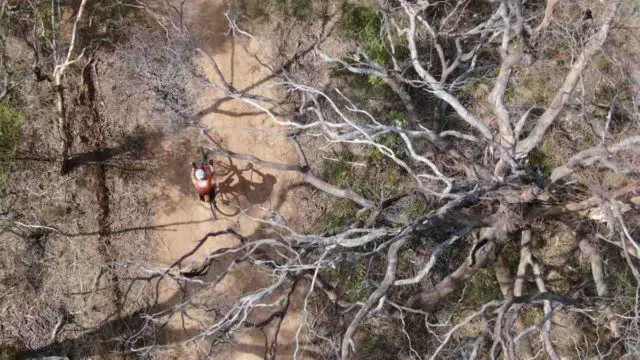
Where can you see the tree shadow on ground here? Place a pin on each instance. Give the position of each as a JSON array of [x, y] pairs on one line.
[[135, 331], [131, 330], [328, 25], [133, 145], [107, 337], [208, 25]]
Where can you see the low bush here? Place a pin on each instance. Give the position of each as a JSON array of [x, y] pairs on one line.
[[10, 120]]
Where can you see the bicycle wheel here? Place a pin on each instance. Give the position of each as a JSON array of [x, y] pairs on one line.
[[227, 204]]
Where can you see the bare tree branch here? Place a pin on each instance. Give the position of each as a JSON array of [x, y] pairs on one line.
[[563, 94], [598, 277], [483, 255], [435, 86], [432, 260], [304, 170], [381, 291], [593, 155]]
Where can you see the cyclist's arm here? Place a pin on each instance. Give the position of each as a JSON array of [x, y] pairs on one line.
[[211, 176], [212, 179], [210, 170], [194, 180]]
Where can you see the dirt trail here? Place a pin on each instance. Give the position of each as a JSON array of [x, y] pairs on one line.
[[240, 128]]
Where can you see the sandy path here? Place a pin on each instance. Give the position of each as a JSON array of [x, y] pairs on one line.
[[240, 129]]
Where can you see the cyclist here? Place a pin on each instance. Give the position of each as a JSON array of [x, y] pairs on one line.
[[202, 179]]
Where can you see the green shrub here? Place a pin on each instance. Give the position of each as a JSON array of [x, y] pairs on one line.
[[393, 177], [43, 17], [10, 120], [364, 24], [391, 141], [300, 9], [259, 14], [337, 172], [545, 156], [350, 280], [356, 18], [482, 288], [417, 209], [397, 117], [342, 211], [533, 88], [355, 284], [370, 89], [532, 315], [368, 182], [511, 254], [381, 342], [8, 352], [363, 215]]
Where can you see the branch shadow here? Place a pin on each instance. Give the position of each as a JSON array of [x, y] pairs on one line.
[[284, 68], [160, 227], [250, 183], [136, 146], [120, 334], [208, 25], [103, 338], [135, 331], [282, 350]]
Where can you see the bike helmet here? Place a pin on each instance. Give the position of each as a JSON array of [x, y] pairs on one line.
[[200, 174]]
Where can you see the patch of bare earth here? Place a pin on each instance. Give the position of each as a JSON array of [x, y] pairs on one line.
[[245, 191]]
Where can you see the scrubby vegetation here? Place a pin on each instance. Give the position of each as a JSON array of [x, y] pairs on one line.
[[463, 178], [10, 120]]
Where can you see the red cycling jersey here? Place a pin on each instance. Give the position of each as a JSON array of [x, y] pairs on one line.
[[206, 186]]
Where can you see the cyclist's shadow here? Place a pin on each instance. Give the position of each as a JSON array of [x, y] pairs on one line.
[[240, 187]]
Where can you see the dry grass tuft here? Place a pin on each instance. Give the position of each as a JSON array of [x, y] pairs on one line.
[[558, 245]]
